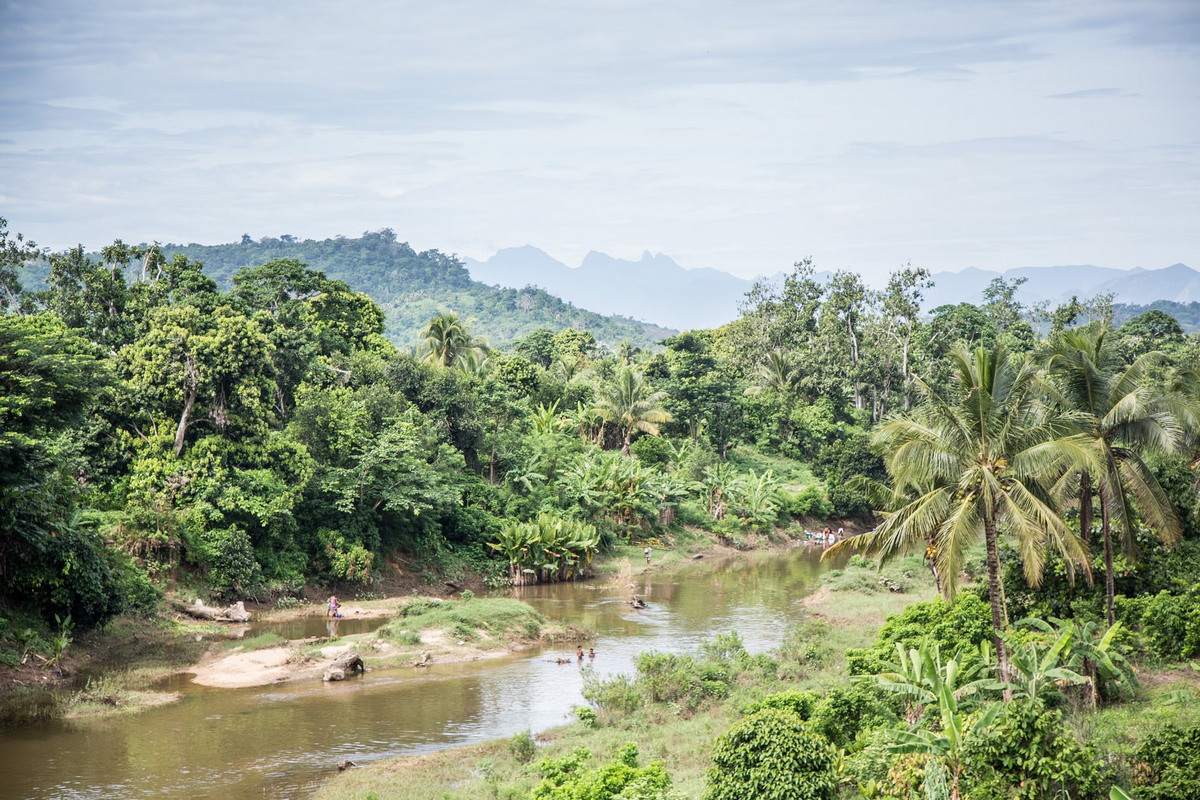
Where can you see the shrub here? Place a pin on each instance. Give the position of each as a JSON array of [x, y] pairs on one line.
[[1169, 623], [810, 502], [1171, 759], [958, 627], [1029, 754], [522, 746], [674, 678], [771, 755], [797, 702], [586, 716], [615, 696], [563, 779], [845, 711], [653, 450]]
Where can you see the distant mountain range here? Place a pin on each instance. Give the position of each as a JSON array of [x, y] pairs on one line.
[[657, 289], [654, 288], [1178, 283], [413, 287]]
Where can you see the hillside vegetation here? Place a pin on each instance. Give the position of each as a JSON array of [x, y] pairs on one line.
[[413, 286], [161, 434]]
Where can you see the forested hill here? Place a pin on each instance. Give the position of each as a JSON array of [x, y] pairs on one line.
[[412, 287]]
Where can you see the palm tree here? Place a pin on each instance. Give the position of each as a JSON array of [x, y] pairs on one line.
[[779, 372], [1123, 417], [629, 403], [977, 463], [449, 343]]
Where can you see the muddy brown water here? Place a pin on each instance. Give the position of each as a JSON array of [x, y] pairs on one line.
[[282, 741]]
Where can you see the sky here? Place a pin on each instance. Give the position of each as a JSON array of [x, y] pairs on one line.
[[742, 136]]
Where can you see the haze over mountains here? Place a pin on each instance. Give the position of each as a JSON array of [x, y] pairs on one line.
[[656, 289]]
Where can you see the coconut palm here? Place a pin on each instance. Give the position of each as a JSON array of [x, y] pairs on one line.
[[978, 462], [629, 403], [780, 372], [1123, 417], [448, 342]]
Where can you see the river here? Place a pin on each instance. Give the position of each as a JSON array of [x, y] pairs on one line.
[[281, 741]]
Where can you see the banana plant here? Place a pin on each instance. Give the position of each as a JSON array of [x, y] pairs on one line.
[[926, 681], [919, 676], [1095, 659], [1040, 672]]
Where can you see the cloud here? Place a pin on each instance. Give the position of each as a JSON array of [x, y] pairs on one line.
[[733, 136], [1088, 94]]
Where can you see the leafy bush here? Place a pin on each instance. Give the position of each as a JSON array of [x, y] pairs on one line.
[[771, 755], [522, 746], [810, 502], [586, 716], [1169, 623], [1028, 753], [958, 627], [563, 779], [1171, 760], [614, 696], [673, 678], [71, 574], [653, 450], [846, 711], [797, 702]]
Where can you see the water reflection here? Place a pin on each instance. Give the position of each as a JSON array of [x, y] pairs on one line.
[[280, 741]]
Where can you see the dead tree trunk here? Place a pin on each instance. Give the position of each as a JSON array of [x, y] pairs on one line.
[[234, 613]]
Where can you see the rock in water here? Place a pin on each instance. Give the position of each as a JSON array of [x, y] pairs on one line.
[[345, 664]]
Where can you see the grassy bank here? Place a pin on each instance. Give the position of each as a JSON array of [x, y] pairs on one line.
[[675, 707], [845, 612]]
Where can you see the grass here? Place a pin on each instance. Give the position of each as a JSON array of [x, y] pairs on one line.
[[486, 622], [1166, 696], [796, 475], [111, 694], [811, 658]]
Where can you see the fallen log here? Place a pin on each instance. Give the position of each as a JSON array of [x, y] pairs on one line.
[[234, 613], [347, 663]]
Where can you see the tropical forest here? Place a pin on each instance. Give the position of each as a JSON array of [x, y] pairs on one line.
[[840, 547]]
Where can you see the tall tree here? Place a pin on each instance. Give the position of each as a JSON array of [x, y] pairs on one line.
[[1124, 418], [902, 311], [846, 303], [15, 252], [977, 460]]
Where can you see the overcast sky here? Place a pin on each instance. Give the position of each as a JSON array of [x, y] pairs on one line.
[[736, 135]]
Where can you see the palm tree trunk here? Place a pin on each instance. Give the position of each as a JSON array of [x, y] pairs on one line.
[[995, 598], [1109, 583], [1085, 506]]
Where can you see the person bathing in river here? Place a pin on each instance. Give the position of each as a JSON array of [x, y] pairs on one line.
[[647, 554], [591, 652], [579, 652], [334, 605]]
